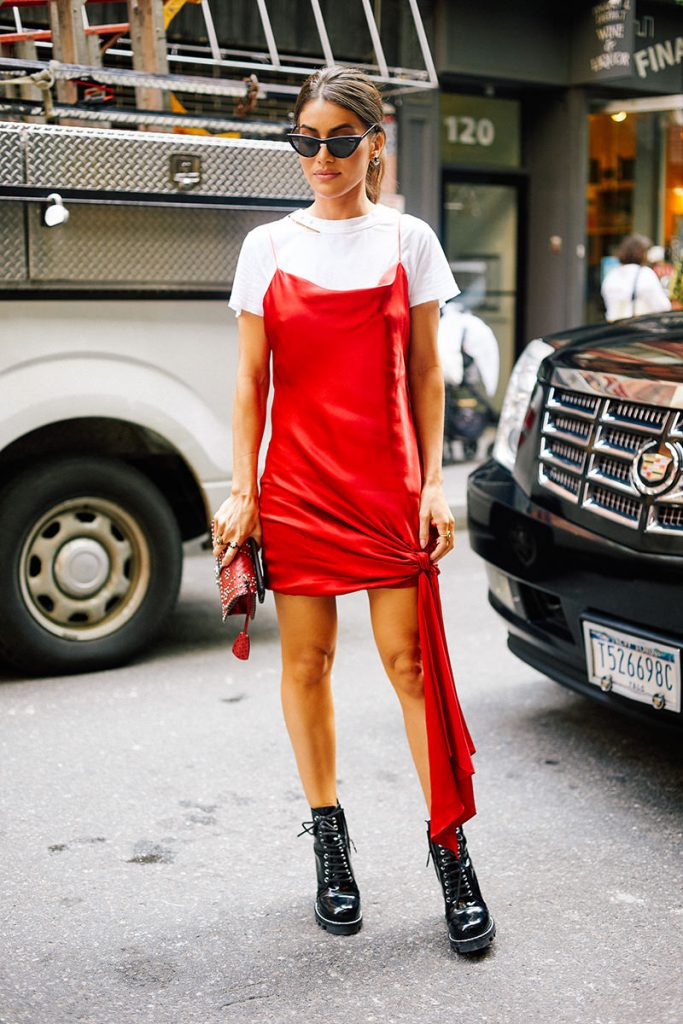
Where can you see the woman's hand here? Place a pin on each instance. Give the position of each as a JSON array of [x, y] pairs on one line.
[[235, 521], [434, 510]]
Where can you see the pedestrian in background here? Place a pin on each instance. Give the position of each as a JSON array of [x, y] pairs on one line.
[[461, 332], [345, 296], [633, 288], [470, 361]]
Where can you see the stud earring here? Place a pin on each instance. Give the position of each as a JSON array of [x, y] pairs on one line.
[[375, 161]]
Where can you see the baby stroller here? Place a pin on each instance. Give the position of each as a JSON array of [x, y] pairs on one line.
[[468, 412]]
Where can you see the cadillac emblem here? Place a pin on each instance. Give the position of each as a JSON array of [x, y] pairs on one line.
[[656, 467]]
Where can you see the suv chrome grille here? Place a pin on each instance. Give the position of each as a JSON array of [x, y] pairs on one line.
[[638, 417], [612, 439], [666, 518], [588, 447], [617, 506], [574, 401], [564, 426], [614, 471], [562, 454], [559, 480]]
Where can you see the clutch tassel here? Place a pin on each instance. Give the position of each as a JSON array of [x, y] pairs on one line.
[[240, 648]]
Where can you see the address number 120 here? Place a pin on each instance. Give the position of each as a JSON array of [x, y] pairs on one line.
[[470, 131]]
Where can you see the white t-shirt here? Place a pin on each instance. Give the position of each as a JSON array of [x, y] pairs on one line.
[[359, 252], [617, 291]]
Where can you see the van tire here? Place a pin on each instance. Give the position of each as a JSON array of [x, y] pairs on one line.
[[90, 565]]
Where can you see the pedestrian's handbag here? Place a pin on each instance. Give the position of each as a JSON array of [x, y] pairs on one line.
[[240, 584]]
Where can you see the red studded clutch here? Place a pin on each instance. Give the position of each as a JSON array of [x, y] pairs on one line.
[[240, 584]]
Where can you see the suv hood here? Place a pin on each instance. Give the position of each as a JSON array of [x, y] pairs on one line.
[[648, 347]]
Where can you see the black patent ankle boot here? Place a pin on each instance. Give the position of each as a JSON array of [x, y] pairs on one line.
[[470, 926], [337, 904]]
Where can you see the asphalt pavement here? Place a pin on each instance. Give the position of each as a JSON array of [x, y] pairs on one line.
[[152, 871]]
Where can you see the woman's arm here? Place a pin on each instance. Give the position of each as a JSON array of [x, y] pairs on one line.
[[425, 381], [653, 293], [238, 516]]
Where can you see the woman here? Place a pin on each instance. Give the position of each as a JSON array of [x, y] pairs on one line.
[[633, 288], [345, 296]]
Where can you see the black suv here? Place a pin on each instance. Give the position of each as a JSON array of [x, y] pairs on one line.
[[579, 514]]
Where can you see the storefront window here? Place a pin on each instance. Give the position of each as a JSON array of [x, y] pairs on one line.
[[481, 223], [635, 184], [673, 196]]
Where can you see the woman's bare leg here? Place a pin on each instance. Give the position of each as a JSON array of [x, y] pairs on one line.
[[308, 635], [395, 626]]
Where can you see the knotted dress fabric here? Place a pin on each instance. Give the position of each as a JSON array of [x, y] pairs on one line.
[[341, 486]]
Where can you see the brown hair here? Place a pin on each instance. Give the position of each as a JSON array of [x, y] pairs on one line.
[[633, 249], [354, 90]]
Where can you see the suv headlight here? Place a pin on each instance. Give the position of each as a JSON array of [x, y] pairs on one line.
[[519, 391]]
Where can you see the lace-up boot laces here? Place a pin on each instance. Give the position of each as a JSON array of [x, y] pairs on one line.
[[456, 873], [337, 905], [470, 926]]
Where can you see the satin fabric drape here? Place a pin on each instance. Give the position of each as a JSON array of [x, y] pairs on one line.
[[341, 486]]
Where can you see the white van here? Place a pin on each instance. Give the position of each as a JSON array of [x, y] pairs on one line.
[[117, 365]]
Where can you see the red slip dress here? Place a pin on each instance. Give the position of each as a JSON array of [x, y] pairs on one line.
[[341, 486]]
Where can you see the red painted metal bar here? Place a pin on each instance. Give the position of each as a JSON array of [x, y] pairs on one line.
[[28, 36], [46, 34], [43, 3]]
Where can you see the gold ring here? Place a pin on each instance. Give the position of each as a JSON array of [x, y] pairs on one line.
[[217, 540]]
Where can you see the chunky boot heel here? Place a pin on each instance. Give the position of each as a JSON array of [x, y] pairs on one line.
[[337, 904], [470, 925]]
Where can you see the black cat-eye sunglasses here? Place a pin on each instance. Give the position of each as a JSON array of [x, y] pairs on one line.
[[339, 146]]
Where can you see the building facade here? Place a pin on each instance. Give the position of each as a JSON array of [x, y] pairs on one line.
[[557, 130]]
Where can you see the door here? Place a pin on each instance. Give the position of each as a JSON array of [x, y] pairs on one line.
[[481, 234]]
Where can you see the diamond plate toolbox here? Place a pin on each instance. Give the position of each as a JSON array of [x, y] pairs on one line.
[[148, 248], [11, 154], [148, 211], [114, 161]]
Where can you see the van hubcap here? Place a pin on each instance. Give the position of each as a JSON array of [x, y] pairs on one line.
[[81, 567], [85, 568]]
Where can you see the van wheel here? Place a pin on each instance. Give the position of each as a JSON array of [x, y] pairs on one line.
[[90, 565]]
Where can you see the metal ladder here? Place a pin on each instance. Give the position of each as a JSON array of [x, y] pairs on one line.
[[151, 82]]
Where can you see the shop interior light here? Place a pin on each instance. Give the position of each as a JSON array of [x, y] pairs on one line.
[[56, 213], [620, 116]]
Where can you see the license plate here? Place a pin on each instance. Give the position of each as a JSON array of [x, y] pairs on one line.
[[633, 666]]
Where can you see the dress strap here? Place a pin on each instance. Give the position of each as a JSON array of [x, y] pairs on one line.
[[272, 245]]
